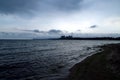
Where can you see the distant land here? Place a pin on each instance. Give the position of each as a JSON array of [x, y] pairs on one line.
[[80, 38], [88, 38]]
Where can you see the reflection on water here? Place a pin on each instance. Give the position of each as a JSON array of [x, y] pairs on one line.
[[42, 59]]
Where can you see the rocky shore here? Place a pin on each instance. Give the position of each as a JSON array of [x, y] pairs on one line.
[[104, 65]]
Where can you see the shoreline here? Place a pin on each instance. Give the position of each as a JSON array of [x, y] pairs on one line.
[[104, 65]]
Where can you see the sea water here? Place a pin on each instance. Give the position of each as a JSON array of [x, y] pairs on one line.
[[43, 59]]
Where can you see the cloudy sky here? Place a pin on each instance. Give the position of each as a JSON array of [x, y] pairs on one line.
[[51, 17]]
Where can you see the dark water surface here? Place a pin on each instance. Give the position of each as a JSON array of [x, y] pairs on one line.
[[42, 59]]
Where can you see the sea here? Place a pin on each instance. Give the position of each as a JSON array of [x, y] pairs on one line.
[[44, 59]]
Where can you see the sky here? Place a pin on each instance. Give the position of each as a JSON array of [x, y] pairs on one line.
[[51, 18]]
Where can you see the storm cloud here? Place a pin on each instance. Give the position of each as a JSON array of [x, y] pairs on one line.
[[31, 6]]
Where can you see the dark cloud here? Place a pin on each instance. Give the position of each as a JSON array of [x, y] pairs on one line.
[[67, 4], [34, 31], [93, 26], [37, 31], [16, 6], [53, 31], [29, 6]]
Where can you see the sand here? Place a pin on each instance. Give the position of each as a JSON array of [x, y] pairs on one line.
[[104, 65]]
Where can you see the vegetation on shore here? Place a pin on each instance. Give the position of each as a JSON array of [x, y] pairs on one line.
[[104, 65]]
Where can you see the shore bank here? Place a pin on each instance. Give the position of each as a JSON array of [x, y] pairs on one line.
[[104, 65]]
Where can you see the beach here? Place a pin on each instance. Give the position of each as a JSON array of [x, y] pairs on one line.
[[104, 65]]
